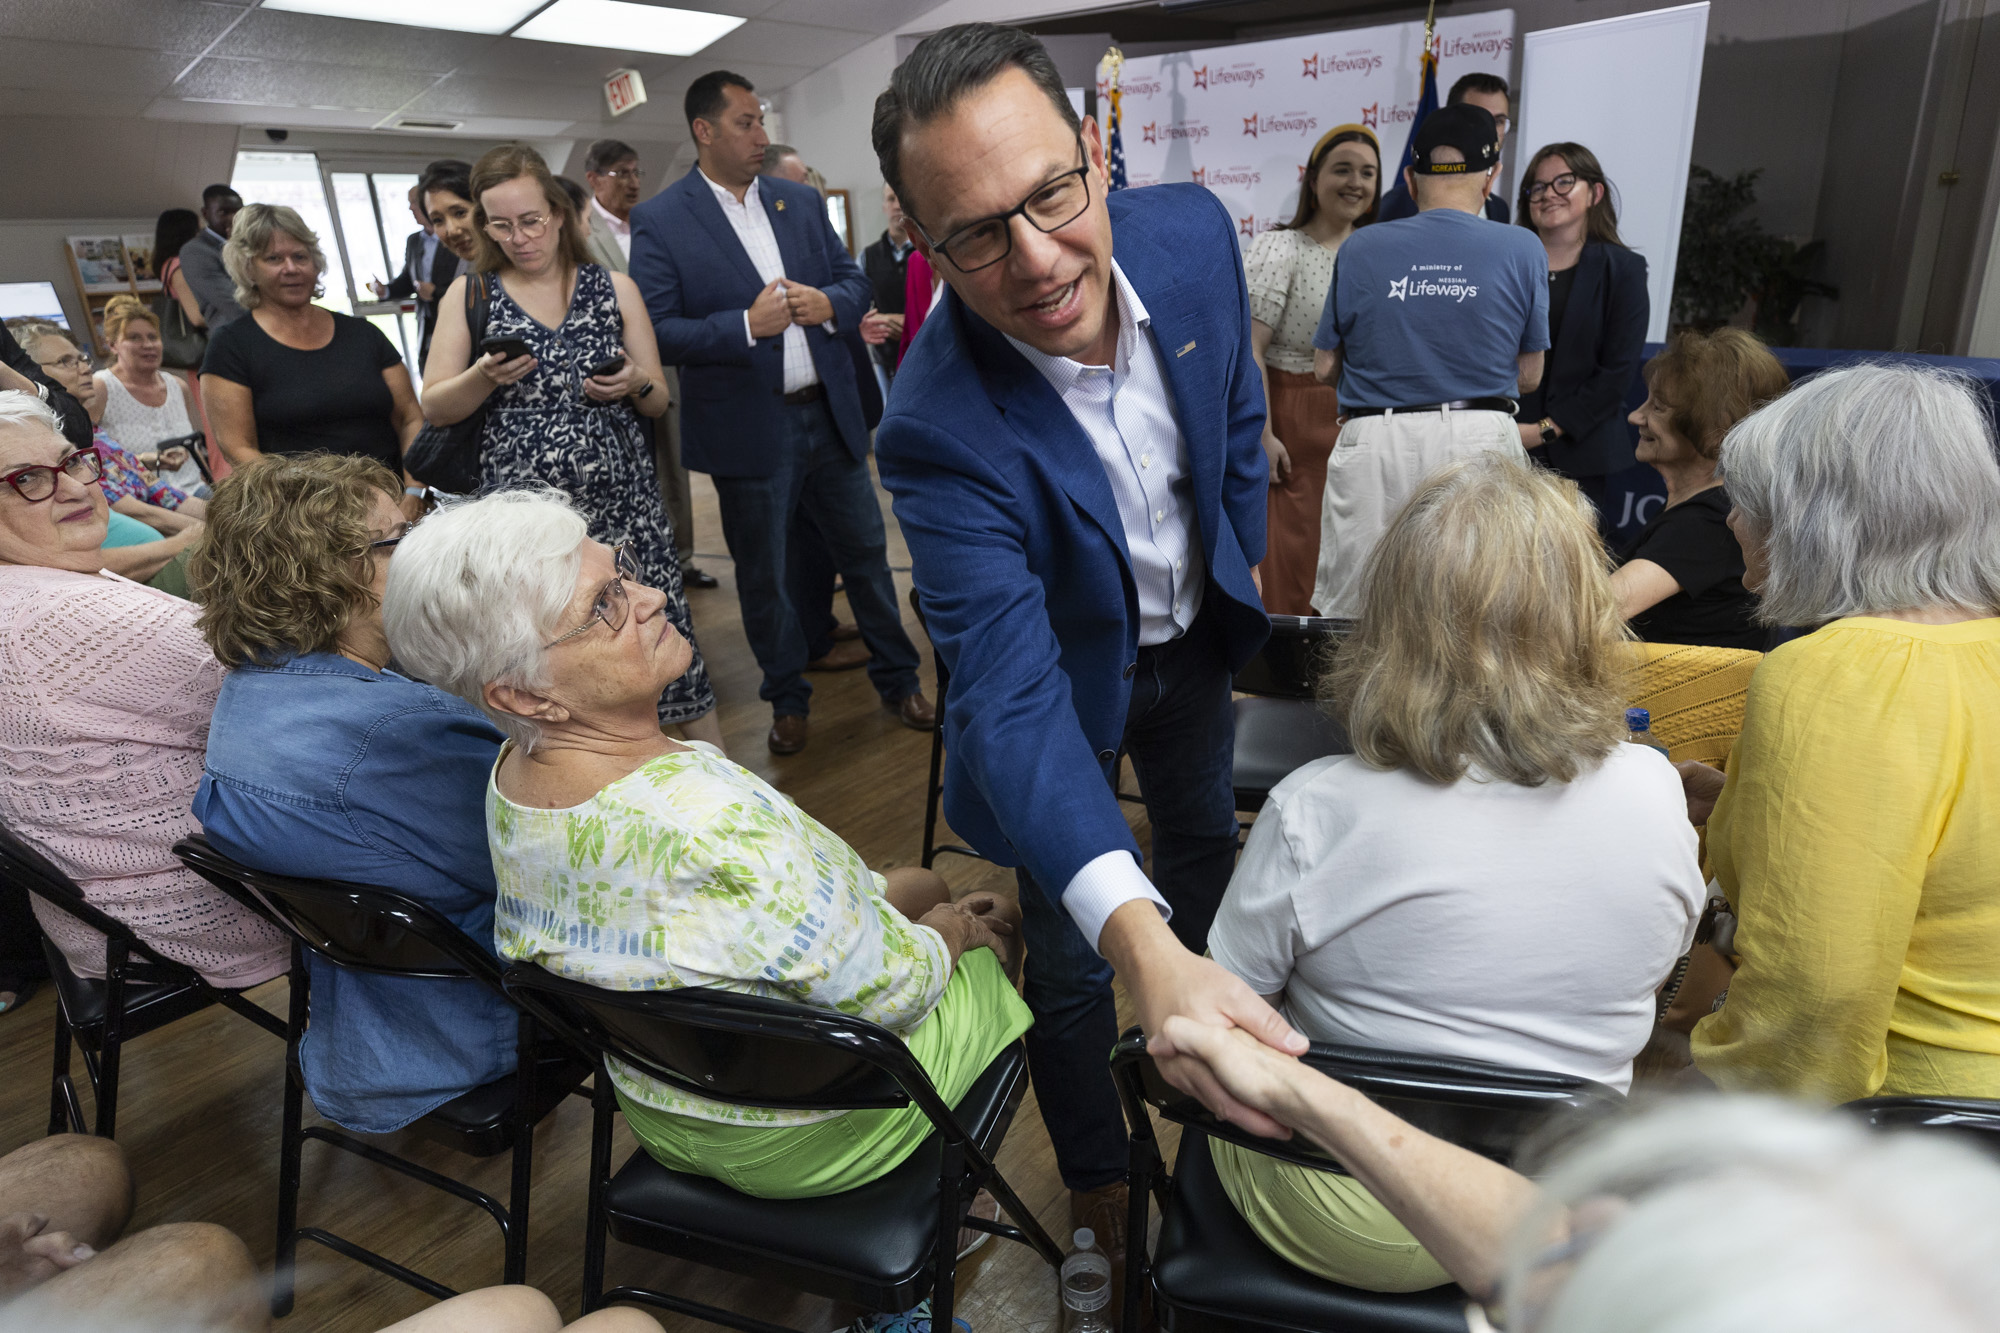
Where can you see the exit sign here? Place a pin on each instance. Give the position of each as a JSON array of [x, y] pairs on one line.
[[624, 90]]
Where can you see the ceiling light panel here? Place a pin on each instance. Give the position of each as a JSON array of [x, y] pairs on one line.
[[622, 26], [490, 16]]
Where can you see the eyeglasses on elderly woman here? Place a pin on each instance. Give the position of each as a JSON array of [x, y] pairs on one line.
[[611, 605], [37, 482]]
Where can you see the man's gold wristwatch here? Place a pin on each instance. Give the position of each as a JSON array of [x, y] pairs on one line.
[[1548, 425]]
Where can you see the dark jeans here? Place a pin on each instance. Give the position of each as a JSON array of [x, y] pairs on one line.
[[835, 489], [810, 576], [1180, 733]]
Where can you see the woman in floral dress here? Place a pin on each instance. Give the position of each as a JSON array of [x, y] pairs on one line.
[[549, 420]]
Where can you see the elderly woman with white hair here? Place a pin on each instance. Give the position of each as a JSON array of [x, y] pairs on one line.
[[296, 377], [1708, 1215], [1855, 836], [632, 861], [105, 694]]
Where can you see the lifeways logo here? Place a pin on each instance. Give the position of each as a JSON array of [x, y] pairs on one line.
[[1154, 132], [1450, 287], [1248, 76], [1479, 44], [1363, 63], [1222, 177], [1248, 228], [1375, 115], [1292, 122]]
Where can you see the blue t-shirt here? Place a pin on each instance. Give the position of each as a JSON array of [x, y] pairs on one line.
[[1435, 308]]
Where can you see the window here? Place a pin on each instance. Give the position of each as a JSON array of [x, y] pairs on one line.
[[293, 179]]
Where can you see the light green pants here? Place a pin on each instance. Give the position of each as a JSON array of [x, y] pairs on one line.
[[1324, 1223], [979, 1016]]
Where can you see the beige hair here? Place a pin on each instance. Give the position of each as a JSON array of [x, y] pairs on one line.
[[1489, 637], [254, 228], [120, 312]]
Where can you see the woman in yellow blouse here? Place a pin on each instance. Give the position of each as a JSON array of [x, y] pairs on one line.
[[1858, 834]]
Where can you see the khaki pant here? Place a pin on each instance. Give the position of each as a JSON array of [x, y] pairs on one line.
[[1375, 467]]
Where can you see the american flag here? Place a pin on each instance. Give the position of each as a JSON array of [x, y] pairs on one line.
[[1117, 146]]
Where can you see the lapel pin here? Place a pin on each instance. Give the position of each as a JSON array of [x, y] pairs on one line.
[[1184, 351], [781, 205]]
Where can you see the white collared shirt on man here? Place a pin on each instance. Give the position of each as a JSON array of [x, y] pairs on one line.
[[753, 228], [1127, 410]]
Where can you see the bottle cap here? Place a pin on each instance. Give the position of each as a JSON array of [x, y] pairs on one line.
[[1638, 719], [1084, 1239]]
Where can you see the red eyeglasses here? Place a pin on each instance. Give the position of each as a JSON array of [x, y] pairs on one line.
[[37, 482]]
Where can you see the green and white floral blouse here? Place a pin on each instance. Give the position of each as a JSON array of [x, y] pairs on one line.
[[694, 871]]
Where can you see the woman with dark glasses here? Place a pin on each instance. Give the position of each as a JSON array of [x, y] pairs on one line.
[[105, 695], [1574, 423], [323, 760]]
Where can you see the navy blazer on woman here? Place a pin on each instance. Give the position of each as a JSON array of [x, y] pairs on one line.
[[1593, 362], [698, 280], [1018, 552]]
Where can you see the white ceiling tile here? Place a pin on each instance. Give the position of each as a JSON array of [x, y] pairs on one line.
[[146, 25], [68, 66], [296, 83], [271, 34], [784, 44], [465, 96]]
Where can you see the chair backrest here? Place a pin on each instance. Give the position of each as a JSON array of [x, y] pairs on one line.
[[1696, 695], [22, 865], [1485, 1108], [353, 925], [1291, 661], [749, 1050], [1971, 1120]]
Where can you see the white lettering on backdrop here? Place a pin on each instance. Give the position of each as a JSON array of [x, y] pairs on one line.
[[1241, 119]]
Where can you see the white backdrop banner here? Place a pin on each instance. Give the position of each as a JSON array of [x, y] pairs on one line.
[[1241, 119]]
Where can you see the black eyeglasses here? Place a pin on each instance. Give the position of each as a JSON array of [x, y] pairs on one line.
[[388, 543], [612, 606], [1562, 185], [1053, 206], [37, 482]]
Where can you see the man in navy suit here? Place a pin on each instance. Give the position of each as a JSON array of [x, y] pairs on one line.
[[1073, 448], [749, 290]]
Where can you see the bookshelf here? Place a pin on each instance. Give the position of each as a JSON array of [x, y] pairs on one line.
[[102, 266]]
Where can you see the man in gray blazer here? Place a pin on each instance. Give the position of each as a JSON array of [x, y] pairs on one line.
[[611, 170], [201, 258]]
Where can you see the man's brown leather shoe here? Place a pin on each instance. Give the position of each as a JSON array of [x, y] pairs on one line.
[[844, 632], [841, 657], [914, 711], [1104, 1211], [788, 734]]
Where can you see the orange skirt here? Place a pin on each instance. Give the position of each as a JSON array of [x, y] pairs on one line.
[[1305, 417]]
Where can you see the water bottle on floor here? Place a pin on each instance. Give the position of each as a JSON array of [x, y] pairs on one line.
[[1086, 1285], [1639, 729]]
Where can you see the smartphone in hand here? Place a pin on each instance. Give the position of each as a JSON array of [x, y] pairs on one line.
[[505, 348]]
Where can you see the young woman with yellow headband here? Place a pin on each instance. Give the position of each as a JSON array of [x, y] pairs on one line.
[[1289, 269]]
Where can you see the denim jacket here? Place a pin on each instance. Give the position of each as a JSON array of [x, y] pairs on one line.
[[322, 768]]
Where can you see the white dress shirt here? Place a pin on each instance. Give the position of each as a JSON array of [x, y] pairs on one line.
[[753, 229], [1127, 411], [621, 230]]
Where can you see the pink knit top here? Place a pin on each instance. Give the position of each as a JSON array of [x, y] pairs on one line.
[[105, 695]]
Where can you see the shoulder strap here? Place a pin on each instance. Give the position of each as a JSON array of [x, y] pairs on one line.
[[476, 303]]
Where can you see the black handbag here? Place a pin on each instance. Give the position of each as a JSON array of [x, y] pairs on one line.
[[182, 342], [447, 457]]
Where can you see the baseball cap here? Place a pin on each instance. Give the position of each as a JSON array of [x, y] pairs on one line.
[[1469, 129]]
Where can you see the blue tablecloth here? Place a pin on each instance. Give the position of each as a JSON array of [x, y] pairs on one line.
[[1635, 495]]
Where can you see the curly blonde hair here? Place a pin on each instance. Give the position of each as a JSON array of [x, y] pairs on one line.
[[283, 563], [1489, 637], [252, 231]]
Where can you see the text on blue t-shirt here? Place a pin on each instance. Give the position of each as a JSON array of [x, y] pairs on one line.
[[1435, 308]]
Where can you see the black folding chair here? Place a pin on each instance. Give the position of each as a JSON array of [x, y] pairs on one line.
[[883, 1246], [1282, 727], [934, 791], [376, 930], [1209, 1271], [140, 992], [1974, 1121]]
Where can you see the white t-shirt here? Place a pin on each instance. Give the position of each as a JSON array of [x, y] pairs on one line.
[[1523, 926]]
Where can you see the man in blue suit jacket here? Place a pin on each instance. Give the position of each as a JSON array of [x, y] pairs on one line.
[[748, 289], [1073, 447]]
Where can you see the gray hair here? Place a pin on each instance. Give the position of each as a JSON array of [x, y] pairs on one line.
[[1874, 488], [946, 66], [475, 591], [1751, 1215], [253, 230], [27, 409]]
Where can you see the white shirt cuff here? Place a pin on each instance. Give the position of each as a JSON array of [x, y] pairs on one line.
[[1104, 885], [748, 336]]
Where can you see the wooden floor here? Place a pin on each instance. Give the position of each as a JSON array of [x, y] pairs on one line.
[[199, 1101]]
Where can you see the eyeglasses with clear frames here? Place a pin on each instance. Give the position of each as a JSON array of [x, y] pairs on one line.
[[37, 482], [527, 227], [611, 605], [1054, 205], [1562, 185], [624, 174], [74, 361]]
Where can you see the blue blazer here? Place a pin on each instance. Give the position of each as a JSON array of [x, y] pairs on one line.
[[698, 280], [1595, 360], [1018, 551]]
